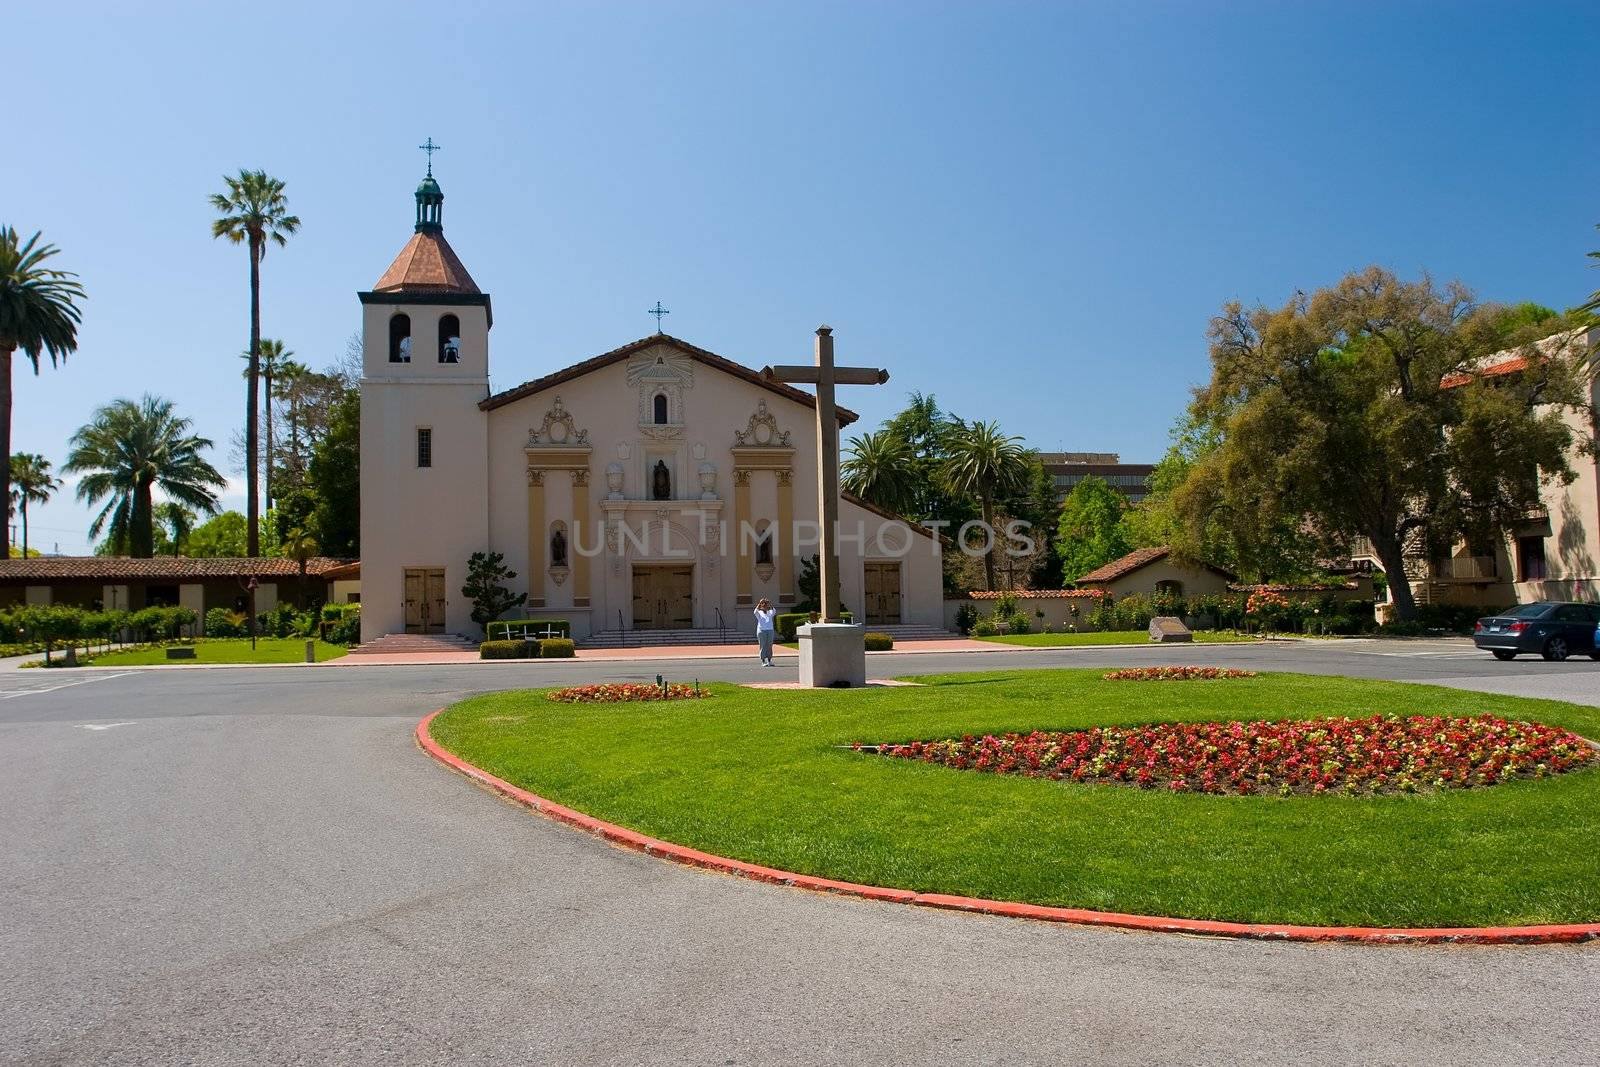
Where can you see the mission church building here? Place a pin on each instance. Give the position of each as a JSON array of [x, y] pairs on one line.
[[617, 488]]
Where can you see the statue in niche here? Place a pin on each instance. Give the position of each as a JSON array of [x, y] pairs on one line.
[[558, 548], [660, 481], [764, 548]]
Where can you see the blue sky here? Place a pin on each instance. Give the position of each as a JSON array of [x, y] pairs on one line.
[[1028, 210]]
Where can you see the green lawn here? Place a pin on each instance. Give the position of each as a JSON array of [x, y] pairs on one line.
[[1110, 637], [225, 650], [758, 775]]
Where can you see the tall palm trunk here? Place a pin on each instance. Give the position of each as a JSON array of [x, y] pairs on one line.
[[5, 446], [988, 557], [142, 527], [252, 472], [22, 506], [266, 382]]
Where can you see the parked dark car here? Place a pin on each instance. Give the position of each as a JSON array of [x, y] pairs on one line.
[[1553, 629]]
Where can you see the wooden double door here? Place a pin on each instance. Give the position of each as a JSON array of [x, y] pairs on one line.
[[882, 593], [425, 600], [663, 598]]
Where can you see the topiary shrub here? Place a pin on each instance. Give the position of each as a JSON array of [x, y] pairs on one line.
[[878, 642], [517, 649], [966, 618], [557, 648], [787, 623]]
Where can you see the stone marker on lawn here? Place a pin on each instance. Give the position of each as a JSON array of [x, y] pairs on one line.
[[832, 652], [1167, 628]]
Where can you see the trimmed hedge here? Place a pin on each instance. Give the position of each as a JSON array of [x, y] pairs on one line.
[[500, 629], [787, 623], [557, 648], [879, 642], [508, 650]]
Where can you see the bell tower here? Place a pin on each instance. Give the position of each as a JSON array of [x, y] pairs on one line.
[[424, 440]]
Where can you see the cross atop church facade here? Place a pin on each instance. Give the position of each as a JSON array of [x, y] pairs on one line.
[[430, 148], [824, 375], [658, 311]]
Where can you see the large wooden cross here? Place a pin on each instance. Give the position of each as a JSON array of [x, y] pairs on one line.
[[824, 375]]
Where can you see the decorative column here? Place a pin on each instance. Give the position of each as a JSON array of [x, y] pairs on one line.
[[741, 515], [536, 537], [785, 543], [580, 522]]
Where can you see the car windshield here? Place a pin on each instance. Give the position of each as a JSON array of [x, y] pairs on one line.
[[1528, 611]]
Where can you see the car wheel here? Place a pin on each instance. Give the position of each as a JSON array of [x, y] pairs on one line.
[[1556, 649], [1503, 654]]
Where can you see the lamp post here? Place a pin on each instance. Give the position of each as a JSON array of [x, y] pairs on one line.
[[252, 588]]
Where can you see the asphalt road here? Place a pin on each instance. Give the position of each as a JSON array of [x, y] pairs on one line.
[[257, 866]]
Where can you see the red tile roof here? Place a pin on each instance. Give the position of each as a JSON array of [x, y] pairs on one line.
[[1139, 557], [1494, 370], [710, 359], [427, 264], [117, 570]]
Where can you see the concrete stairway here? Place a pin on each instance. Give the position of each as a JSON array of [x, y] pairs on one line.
[[418, 644]]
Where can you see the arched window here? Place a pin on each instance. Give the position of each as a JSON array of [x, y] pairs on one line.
[[661, 409], [400, 338], [449, 339]]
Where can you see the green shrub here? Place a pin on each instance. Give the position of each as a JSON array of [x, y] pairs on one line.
[[984, 628], [966, 617], [878, 642], [332, 612], [508, 650], [557, 648], [1132, 612], [346, 629], [161, 623], [1018, 624], [279, 620], [223, 622], [787, 623], [1402, 629], [500, 629]]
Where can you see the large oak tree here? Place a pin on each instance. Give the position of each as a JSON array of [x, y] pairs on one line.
[[1357, 411]]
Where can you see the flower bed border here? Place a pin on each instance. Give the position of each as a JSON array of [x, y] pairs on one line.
[[1556, 933]]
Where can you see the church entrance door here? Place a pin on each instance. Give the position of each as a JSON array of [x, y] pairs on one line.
[[424, 600], [882, 582], [663, 598]]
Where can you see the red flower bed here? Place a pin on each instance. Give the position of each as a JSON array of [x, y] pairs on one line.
[[620, 692], [1175, 674], [1379, 754]]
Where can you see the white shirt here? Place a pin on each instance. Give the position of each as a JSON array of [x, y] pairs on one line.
[[764, 620]]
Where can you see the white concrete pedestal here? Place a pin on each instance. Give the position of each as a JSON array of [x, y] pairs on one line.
[[832, 654]]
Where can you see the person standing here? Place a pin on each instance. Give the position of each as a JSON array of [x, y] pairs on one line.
[[764, 630]]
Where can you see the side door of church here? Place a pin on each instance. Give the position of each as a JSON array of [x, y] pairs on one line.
[[881, 582]]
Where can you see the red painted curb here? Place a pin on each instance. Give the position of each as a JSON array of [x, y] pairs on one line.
[[620, 835]]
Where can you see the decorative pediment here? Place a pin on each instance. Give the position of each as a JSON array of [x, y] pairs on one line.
[[762, 430], [558, 430], [661, 365]]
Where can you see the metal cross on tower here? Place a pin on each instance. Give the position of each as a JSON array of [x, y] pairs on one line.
[[658, 311], [430, 148], [824, 375]]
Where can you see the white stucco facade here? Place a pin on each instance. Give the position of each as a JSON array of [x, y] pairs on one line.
[[616, 488]]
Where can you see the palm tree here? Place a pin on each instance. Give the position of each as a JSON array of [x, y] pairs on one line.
[[300, 544], [983, 461], [124, 454], [253, 211], [881, 469], [290, 376], [31, 483], [273, 358], [38, 313], [178, 519]]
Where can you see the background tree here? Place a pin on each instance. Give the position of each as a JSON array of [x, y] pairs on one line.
[[298, 543], [31, 483], [487, 574], [38, 314], [1354, 413], [334, 481], [982, 461], [125, 453], [1090, 532], [178, 520], [927, 431], [253, 212], [880, 468], [223, 535]]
